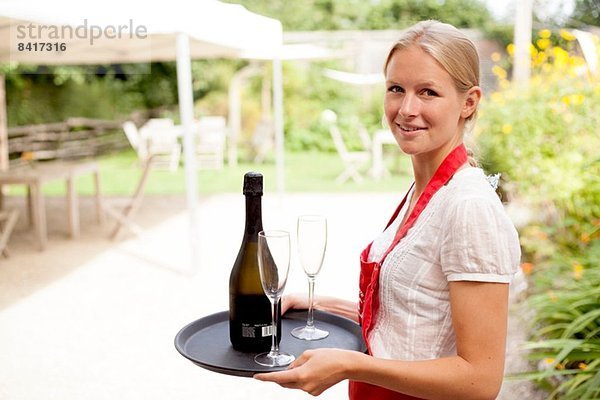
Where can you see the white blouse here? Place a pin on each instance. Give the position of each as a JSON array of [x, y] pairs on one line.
[[463, 234]]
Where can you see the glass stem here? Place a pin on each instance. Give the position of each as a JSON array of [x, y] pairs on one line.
[[274, 342], [310, 322]]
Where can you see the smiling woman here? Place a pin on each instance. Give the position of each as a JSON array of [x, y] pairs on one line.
[[433, 299]]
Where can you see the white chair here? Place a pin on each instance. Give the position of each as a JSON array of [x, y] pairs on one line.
[[263, 139], [210, 132], [161, 139], [353, 160], [135, 140]]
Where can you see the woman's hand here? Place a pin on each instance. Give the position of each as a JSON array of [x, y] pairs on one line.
[[299, 301], [314, 371], [294, 301]]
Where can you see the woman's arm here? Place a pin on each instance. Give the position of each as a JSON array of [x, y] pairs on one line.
[[344, 308], [479, 317]]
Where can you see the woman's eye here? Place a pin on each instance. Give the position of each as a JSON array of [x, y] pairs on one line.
[[395, 89], [429, 92]]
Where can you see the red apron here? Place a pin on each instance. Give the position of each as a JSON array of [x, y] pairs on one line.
[[369, 271]]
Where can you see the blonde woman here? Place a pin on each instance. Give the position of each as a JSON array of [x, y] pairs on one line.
[[434, 285]]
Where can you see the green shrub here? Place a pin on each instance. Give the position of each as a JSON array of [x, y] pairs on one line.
[[545, 139]]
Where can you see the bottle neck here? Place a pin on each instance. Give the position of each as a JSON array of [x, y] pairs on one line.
[[253, 215]]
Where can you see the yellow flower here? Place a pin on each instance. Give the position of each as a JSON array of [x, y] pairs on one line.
[[568, 36], [545, 33], [549, 361], [542, 44], [577, 271], [499, 72], [511, 49], [507, 129], [582, 366], [496, 56], [532, 50], [577, 99], [561, 57], [573, 99]]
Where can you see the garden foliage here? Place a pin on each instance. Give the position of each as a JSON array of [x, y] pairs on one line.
[[545, 139]]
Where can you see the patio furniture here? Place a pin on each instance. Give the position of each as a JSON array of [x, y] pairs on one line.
[[135, 140], [8, 219], [380, 138], [124, 214], [263, 139], [162, 141], [353, 160], [211, 132], [157, 137], [34, 176]]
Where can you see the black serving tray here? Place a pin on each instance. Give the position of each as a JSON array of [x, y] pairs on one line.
[[205, 342]]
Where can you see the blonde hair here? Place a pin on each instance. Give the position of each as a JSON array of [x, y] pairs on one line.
[[451, 48]]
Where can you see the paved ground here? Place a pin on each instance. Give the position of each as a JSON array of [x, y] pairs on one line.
[[94, 319]]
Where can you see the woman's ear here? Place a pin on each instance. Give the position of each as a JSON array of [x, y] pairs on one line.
[[471, 102]]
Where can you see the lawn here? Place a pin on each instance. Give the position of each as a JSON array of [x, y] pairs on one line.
[[304, 172]]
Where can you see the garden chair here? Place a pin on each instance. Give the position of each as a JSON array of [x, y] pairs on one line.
[[162, 141], [263, 139], [124, 214], [158, 137], [8, 220], [135, 140], [353, 160], [211, 132]]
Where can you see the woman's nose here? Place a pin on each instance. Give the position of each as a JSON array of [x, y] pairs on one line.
[[409, 106]]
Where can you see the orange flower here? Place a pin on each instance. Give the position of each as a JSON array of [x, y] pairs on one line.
[[582, 366], [585, 237], [527, 268]]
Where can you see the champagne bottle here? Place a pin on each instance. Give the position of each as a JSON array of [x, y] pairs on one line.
[[250, 326]]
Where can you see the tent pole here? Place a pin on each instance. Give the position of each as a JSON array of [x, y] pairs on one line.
[[278, 119], [523, 21], [3, 126], [186, 113]]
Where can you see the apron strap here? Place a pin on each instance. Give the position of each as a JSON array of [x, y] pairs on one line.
[[443, 174]]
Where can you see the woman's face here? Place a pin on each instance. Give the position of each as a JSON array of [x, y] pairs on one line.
[[423, 108]]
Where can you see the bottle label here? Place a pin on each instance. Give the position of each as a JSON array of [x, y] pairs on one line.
[[267, 330], [250, 331]]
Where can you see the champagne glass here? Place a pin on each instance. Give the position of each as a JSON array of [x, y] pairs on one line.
[[273, 265], [312, 241]]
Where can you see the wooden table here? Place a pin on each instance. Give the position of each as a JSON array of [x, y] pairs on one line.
[[36, 175]]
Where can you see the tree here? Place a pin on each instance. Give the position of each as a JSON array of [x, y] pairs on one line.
[[311, 15], [587, 12]]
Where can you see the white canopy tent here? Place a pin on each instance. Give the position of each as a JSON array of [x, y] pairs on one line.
[[116, 31]]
